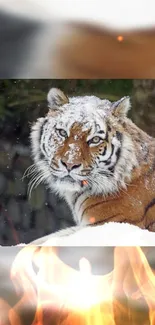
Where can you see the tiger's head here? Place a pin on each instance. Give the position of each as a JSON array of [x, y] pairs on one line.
[[82, 144]]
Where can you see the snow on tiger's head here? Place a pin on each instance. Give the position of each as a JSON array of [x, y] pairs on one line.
[[82, 141]]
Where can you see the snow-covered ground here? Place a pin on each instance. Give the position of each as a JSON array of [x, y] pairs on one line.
[[109, 234]]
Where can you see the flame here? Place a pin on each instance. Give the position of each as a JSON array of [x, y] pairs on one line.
[[55, 293]]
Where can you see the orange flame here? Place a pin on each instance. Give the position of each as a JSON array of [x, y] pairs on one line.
[[55, 293]]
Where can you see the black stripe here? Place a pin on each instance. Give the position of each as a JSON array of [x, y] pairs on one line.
[[153, 166], [101, 132], [104, 151], [119, 136], [98, 203], [41, 155], [75, 199], [44, 147], [42, 129], [109, 128], [100, 222], [109, 159], [112, 168], [96, 223], [118, 152], [150, 205], [106, 137]]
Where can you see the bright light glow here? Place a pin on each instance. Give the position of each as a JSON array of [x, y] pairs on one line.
[[120, 38]]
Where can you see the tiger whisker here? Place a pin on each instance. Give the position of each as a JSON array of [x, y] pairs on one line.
[[35, 181], [30, 170]]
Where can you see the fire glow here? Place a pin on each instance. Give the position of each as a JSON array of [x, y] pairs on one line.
[[120, 38], [59, 294]]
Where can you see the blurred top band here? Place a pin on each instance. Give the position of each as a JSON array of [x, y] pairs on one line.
[[90, 39]]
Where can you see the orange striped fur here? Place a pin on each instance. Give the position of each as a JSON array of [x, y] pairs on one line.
[[89, 152]]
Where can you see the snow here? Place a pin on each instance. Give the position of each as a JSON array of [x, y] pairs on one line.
[[81, 109], [109, 234]]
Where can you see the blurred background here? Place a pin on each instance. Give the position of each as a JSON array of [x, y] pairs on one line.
[[22, 102], [54, 39]]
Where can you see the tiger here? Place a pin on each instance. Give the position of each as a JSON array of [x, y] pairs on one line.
[[90, 153]]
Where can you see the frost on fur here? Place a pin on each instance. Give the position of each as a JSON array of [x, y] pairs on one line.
[[121, 107], [56, 98], [86, 140], [109, 165]]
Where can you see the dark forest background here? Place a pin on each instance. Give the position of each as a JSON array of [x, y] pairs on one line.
[[22, 102]]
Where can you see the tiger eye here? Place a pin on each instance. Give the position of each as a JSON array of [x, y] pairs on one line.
[[96, 139], [62, 132]]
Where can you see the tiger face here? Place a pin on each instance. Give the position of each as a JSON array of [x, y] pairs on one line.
[[81, 144]]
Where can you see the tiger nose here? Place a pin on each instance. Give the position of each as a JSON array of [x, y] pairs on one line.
[[69, 166]]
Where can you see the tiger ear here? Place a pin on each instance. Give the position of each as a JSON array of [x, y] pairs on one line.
[[56, 98], [121, 107]]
